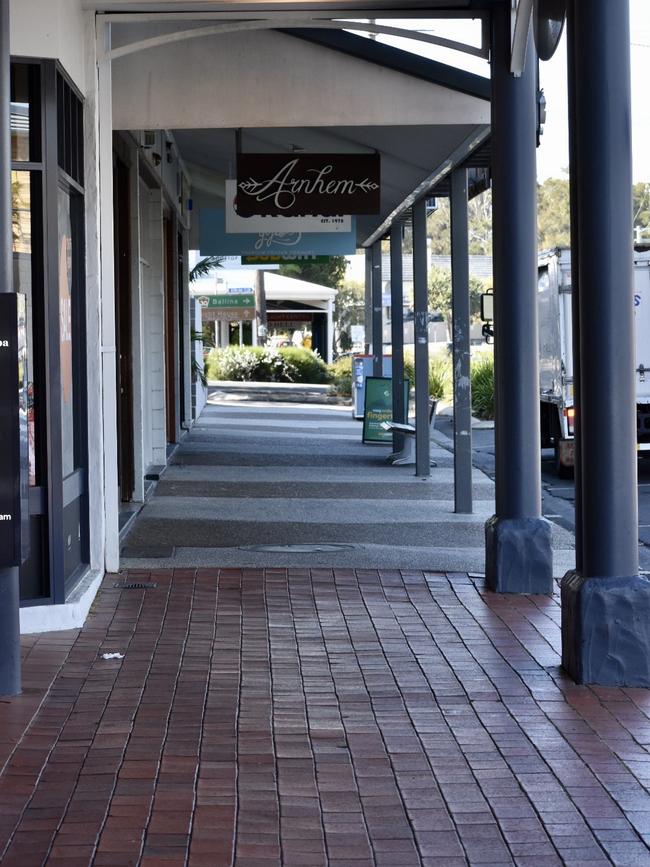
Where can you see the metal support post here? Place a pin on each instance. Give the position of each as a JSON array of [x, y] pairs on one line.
[[367, 309], [461, 344], [605, 605], [421, 337], [9, 586], [400, 411], [518, 540], [377, 310], [575, 287]]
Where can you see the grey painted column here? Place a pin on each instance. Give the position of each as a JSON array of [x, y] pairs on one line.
[[461, 344], [9, 588], [575, 284], [518, 539], [421, 338], [606, 606], [377, 311], [367, 311], [400, 411]]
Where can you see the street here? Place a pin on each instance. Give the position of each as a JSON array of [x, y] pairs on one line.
[[558, 494]]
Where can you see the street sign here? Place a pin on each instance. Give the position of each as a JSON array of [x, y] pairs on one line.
[[14, 506], [220, 301], [303, 184]]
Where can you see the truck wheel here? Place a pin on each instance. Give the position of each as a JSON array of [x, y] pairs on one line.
[[562, 471]]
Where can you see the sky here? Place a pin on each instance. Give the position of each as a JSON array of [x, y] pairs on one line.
[[553, 153]]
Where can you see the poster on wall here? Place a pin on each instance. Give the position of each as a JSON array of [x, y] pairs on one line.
[[14, 504], [304, 184], [215, 241]]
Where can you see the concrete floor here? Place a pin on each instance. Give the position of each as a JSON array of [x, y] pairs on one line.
[[268, 473]]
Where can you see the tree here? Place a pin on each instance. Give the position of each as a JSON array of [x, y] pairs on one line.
[[329, 273], [553, 214], [349, 309], [479, 215], [439, 295]]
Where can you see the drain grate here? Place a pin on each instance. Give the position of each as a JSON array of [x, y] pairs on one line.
[[314, 548], [135, 585]]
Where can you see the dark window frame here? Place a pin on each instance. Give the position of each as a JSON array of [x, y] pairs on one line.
[[60, 168]]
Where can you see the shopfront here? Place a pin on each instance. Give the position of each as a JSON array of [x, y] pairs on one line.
[[47, 191]]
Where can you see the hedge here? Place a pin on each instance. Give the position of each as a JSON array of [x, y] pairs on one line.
[[261, 364]]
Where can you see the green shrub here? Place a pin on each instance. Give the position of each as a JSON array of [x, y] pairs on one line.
[[309, 366], [439, 374], [249, 364], [483, 387], [341, 376]]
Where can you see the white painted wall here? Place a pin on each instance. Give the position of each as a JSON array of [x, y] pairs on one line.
[[153, 308], [201, 391], [247, 80], [54, 28], [97, 521]]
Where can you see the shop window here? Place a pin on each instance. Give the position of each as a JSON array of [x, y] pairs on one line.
[[48, 256], [25, 119]]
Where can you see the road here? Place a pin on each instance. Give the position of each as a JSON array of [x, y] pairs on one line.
[[558, 495]]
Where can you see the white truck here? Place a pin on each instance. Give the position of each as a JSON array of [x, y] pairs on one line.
[[556, 353]]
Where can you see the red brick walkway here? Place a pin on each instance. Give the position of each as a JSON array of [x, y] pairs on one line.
[[311, 718]]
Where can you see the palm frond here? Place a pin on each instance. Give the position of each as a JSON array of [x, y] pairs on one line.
[[204, 266]]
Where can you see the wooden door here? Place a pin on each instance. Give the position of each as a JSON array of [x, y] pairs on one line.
[[123, 329]]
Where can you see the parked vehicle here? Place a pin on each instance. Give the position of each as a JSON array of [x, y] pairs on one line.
[[556, 353]]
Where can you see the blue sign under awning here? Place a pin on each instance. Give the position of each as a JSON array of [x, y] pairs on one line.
[[214, 241]]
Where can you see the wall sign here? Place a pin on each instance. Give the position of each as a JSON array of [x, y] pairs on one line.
[[297, 185], [236, 224], [215, 241], [13, 431]]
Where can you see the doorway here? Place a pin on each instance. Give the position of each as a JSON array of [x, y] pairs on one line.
[[123, 331], [170, 328]]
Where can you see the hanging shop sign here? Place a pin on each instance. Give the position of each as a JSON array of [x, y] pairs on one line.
[[14, 463], [215, 241], [297, 185], [237, 224], [258, 261]]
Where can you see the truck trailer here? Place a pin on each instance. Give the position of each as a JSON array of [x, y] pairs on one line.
[[556, 353]]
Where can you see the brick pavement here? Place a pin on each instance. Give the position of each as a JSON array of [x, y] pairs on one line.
[[310, 717]]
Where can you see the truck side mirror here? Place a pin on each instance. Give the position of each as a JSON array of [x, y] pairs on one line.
[[487, 306], [487, 315]]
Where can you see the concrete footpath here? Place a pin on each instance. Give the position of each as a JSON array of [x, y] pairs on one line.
[[261, 482]]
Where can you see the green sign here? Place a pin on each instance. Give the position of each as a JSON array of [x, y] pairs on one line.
[[379, 408], [226, 301], [283, 260]]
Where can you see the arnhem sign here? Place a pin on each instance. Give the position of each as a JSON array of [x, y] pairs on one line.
[[215, 241], [231, 308], [304, 184], [236, 224]]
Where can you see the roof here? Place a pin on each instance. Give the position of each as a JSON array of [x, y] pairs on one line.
[[279, 288]]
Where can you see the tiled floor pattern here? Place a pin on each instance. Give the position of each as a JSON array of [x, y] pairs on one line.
[[266, 717]]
